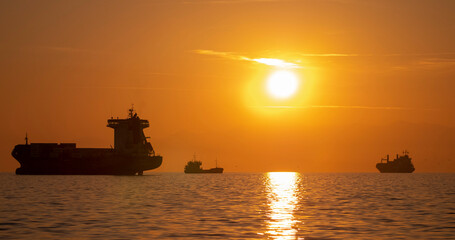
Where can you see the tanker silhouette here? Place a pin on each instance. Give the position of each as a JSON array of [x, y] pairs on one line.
[[132, 153], [401, 164], [194, 166]]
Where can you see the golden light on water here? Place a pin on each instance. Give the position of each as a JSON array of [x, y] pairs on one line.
[[282, 189]]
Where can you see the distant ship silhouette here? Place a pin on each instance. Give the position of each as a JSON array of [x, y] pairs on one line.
[[401, 164], [194, 166], [132, 153]]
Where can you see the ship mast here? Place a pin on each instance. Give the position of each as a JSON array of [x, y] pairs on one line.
[[131, 110], [26, 139]]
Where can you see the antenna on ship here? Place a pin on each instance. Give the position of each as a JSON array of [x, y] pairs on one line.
[[131, 110], [405, 152], [26, 139]]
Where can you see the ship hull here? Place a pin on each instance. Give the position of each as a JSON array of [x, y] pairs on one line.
[[394, 168], [53, 159]]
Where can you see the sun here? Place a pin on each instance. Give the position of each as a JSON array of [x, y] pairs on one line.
[[282, 84]]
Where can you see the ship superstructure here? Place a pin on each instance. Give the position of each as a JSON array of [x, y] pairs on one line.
[[132, 153], [401, 164]]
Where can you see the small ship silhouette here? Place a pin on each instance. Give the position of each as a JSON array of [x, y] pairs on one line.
[[401, 164], [194, 166], [132, 153]]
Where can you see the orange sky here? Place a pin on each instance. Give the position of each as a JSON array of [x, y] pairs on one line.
[[376, 77]]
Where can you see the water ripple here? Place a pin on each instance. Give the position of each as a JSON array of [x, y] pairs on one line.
[[229, 206]]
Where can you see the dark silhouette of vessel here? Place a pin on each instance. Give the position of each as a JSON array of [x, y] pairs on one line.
[[132, 153], [194, 166], [401, 164]]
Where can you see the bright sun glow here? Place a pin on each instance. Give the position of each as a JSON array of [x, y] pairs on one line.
[[282, 84]]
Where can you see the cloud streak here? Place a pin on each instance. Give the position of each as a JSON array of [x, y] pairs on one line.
[[406, 60], [274, 62], [328, 55], [340, 107]]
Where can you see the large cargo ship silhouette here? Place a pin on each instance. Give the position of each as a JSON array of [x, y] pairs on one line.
[[132, 153], [401, 164]]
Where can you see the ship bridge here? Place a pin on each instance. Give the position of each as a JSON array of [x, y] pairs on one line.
[[129, 134], [117, 123]]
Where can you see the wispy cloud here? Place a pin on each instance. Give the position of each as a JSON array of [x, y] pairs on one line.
[[402, 61], [395, 61], [340, 107], [276, 62], [141, 88], [228, 55], [429, 62], [437, 61], [328, 55], [446, 54], [279, 63], [359, 107]]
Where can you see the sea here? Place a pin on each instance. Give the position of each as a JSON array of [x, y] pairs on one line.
[[274, 205]]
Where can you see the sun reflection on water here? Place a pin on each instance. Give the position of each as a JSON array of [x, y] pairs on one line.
[[282, 197]]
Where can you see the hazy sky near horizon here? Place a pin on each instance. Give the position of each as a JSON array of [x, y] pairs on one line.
[[375, 78]]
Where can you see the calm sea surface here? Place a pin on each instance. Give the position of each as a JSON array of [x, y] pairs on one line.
[[229, 206]]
